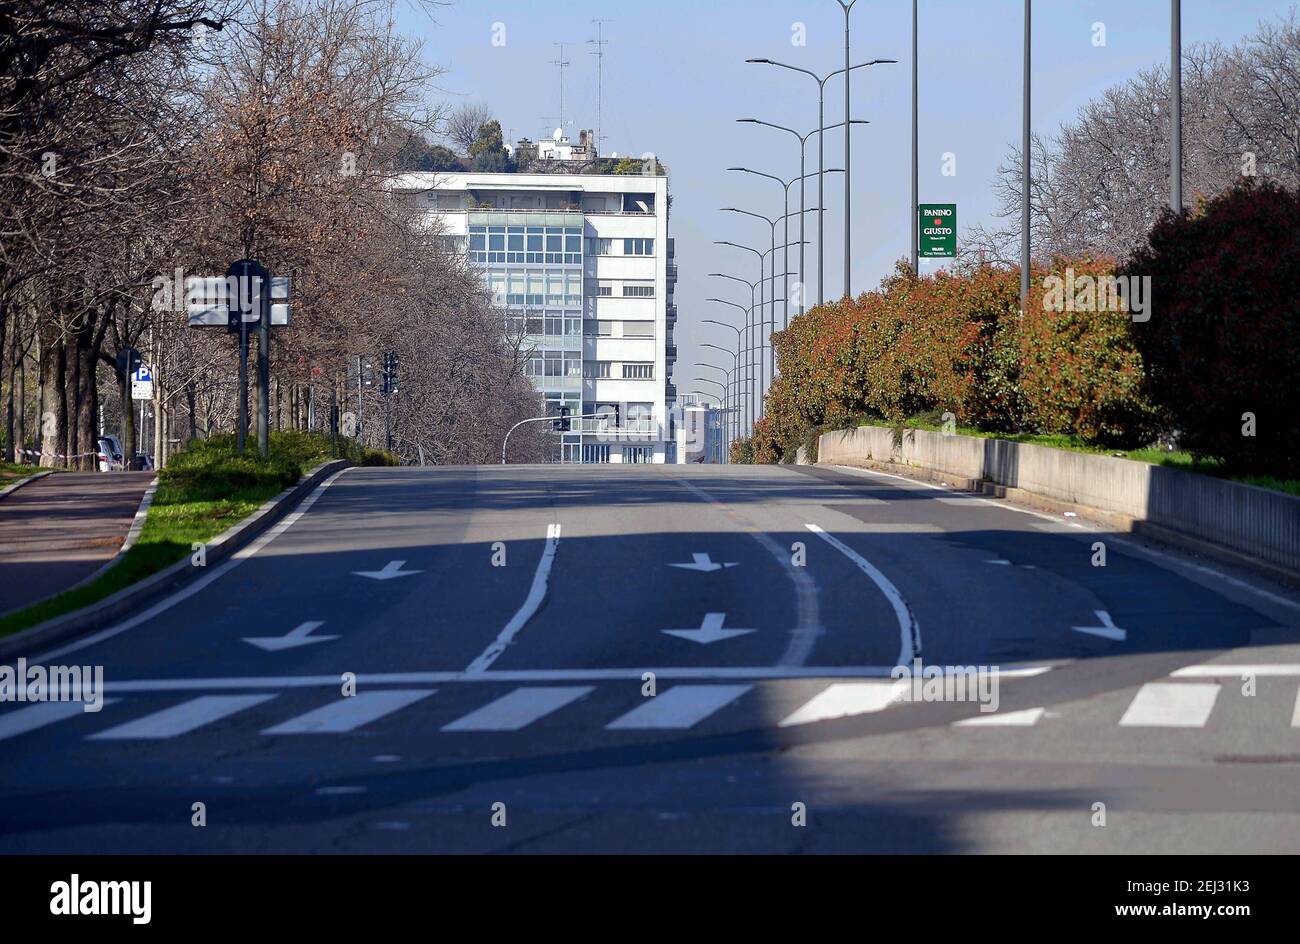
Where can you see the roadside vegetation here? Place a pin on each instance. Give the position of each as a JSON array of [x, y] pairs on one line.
[[1202, 380], [11, 472], [204, 490]]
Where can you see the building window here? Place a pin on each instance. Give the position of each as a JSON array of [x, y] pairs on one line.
[[600, 247], [597, 329], [596, 370], [638, 371], [638, 329], [595, 454], [638, 290], [638, 247], [638, 454]]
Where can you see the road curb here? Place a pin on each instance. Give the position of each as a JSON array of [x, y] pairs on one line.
[[1135, 526], [129, 599], [14, 486], [132, 535]]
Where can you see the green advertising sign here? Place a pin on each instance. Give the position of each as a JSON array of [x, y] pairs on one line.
[[938, 230]]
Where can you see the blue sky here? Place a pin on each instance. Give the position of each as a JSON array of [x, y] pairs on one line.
[[676, 80]]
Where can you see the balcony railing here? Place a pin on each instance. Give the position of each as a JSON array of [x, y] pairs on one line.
[[608, 427]]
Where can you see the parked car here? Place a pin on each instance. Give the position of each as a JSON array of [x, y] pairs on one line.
[[143, 462], [109, 454]]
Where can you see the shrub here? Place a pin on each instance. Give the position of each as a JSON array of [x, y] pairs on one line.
[[1223, 340]]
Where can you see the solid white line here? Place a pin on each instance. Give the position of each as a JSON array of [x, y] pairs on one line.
[[1295, 714], [908, 629], [682, 673], [845, 699], [1219, 670], [1024, 718], [14, 723], [349, 713], [531, 605], [679, 708], [190, 589], [181, 719], [519, 708], [1171, 705]]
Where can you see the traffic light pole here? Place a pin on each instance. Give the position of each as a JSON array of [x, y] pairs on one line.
[[264, 368], [241, 432], [544, 419]]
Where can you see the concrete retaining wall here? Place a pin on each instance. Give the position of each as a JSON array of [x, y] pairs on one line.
[[1258, 523]]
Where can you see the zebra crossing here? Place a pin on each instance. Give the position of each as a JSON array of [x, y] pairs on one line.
[[682, 707]]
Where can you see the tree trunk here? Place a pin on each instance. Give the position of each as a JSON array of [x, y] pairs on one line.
[[54, 396]]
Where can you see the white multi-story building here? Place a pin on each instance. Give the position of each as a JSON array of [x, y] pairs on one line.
[[582, 267]]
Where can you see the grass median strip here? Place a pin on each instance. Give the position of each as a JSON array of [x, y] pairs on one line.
[[11, 472], [204, 490]]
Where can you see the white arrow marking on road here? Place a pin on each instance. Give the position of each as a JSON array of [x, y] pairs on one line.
[[999, 560], [391, 569], [702, 563], [302, 636], [710, 630], [1106, 630]]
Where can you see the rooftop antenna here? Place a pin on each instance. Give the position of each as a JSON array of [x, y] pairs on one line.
[[600, 42], [548, 122], [563, 64]]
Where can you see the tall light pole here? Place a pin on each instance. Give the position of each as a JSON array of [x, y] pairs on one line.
[[916, 194], [1024, 174], [785, 184], [848, 136], [821, 147], [1176, 106], [755, 320], [803, 175], [749, 347], [735, 414], [762, 372]]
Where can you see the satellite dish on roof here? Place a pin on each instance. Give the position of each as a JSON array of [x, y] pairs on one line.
[[559, 133]]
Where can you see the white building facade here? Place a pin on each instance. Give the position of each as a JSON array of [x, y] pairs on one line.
[[582, 268]]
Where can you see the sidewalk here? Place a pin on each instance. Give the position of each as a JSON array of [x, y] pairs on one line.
[[60, 529]]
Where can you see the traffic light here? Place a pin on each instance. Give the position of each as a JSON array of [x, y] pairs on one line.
[[562, 424], [390, 373]]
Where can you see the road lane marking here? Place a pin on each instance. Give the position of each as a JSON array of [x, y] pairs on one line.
[[1171, 705], [350, 713], [1134, 548], [192, 588], [909, 630], [1027, 717], [704, 564], [536, 594], [710, 630], [32, 717], [519, 708], [1217, 670], [803, 636], [301, 636], [181, 719], [845, 699], [679, 708], [674, 673], [1107, 629], [1295, 714], [389, 571]]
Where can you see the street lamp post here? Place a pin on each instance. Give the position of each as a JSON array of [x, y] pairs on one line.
[[726, 395], [731, 373], [1176, 106], [803, 175], [848, 137], [736, 406], [749, 347], [1024, 174], [821, 147]]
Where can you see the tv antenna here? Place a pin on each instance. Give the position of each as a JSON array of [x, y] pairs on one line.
[[600, 42], [563, 64]]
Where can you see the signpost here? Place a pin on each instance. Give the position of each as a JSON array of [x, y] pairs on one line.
[[142, 383], [238, 302], [938, 230]]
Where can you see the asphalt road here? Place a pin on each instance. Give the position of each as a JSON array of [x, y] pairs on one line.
[[506, 627]]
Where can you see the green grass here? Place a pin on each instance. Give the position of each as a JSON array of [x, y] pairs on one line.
[[11, 472], [203, 490], [1173, 459]]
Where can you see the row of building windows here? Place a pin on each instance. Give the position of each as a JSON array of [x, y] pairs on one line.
[[557, 324], [604, 370], [536, 288], [628, 289], [556, 245], [598, 453], [600, 246]]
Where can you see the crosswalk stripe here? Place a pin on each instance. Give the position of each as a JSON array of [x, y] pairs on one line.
[[1171, 705], [1026, 717], [181, 719], [350, 713], [681, 707], [844, 699], [519, 708], [14, 723]]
